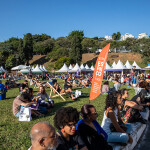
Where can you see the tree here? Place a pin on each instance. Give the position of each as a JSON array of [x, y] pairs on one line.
[[116, 36], [28, 47], [88, 44], [10, 62], [59, 63], [21, 53], [40, 38], [43, 47], [75, 51]]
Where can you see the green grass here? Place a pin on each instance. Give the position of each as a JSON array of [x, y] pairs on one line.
[[15, 134]]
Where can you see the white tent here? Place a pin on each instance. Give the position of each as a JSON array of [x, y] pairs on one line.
[[45, 69], [92, 68], [37, 70], [148, 67], [113, 65], [19, 67], [32, 68], [135, 64], [107, 66], [63, 69], [87, 67], [127, 65], [42, 68], [3, 70], [75, 68], [83, 68], [119, 65], [24, 71], [70, 67]]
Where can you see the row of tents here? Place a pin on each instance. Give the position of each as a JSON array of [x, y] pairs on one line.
[[40, 69], [115, 67], [27, 69]]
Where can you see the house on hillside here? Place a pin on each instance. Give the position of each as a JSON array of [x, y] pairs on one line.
[[142, 35]]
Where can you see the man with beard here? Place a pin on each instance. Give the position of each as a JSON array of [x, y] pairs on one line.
[[43, 137]]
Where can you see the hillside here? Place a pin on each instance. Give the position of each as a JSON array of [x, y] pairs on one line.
[[90, 58]]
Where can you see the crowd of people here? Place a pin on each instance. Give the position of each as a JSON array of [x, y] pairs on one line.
[[80, 129]]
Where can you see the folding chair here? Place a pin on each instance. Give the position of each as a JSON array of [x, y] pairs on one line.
[[49, 84]]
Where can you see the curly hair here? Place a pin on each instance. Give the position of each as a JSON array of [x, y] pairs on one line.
[[111, 99], [64, 115]]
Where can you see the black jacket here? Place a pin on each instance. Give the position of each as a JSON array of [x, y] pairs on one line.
[[92, 140]]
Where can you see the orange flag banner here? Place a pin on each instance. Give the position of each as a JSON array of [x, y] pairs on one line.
[[98, 72]]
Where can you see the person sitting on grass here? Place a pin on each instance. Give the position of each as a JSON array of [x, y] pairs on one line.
[[65, 121], [105, 88], [112, 117], [43, 137], [61, 91], [41, 95], [23, 100], [23, 86], [85, 83], [57, 87], [90, 131]]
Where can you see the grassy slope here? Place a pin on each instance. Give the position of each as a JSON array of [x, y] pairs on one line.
[[15, 134]]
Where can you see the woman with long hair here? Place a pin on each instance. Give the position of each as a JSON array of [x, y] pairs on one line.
[[41, 95], [131, 106], [65, 121], [90, 131], [111, 115]]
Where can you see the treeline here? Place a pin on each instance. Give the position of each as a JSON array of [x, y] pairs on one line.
[[67, 49]]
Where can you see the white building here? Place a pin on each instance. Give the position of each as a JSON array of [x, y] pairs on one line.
[[127, 35], [142, 35], [107, 37]]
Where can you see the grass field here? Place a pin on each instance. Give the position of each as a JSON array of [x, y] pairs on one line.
[[15, 134]]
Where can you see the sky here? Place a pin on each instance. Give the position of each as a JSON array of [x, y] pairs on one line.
[[58, 18]]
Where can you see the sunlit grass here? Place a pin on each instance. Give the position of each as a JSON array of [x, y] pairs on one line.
[[15, 134]]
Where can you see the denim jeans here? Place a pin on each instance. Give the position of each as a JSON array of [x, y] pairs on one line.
[[119, 137], [17, 114]]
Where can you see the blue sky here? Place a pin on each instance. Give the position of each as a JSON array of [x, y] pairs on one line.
[[58, 18]]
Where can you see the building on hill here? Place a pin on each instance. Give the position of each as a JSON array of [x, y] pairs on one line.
[[142, 35], [107, 37], [127, 35]]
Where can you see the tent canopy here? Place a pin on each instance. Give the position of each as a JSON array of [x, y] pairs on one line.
[[63, 69], [37, 70], [20, 67]]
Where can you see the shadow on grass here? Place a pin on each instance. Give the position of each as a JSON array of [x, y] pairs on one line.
[[56, 107]]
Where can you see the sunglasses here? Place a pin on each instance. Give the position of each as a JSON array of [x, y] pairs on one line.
[[94, 114], [72, 125]]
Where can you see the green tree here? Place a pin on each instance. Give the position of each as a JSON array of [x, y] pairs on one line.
[[88, 44], [116, 36], [21, 53], [59, 63], [10, 62], [44, 47], [28, 47], [75, 52]]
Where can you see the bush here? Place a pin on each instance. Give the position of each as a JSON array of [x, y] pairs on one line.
[[59, 63]]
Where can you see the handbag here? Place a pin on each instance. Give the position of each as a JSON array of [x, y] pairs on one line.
[[122, 125], [25, 114]]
